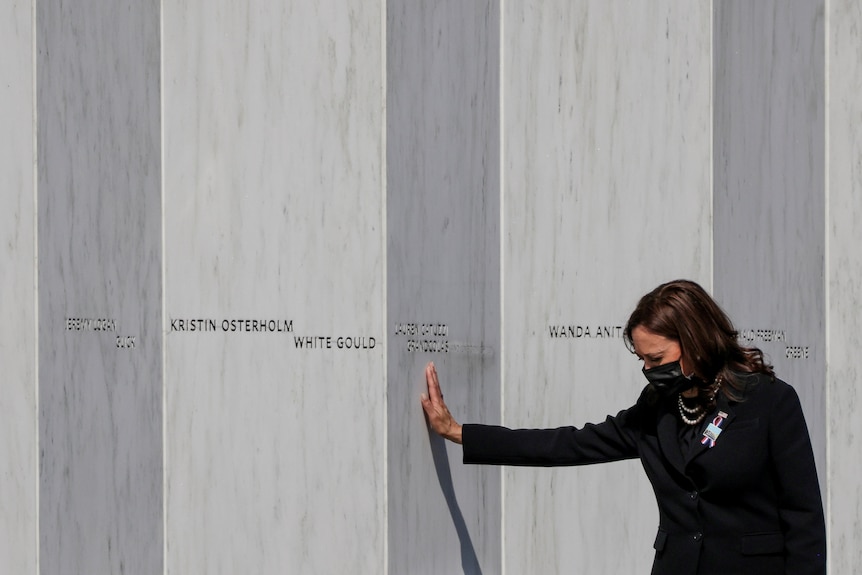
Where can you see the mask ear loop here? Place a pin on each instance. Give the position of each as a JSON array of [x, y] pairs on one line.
[[689, 376], [693, 373]]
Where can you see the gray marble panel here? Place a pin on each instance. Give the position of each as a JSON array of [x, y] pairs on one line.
[[99, 277], [606, 194], [18, 428], [844, 283], [443, 291], [274, 287], [769, 198]]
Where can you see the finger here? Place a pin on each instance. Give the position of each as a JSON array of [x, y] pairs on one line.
[[429, 379], [434, 386], [429, 384]]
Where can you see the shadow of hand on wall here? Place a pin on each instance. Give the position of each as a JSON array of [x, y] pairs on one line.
[[469, 561]]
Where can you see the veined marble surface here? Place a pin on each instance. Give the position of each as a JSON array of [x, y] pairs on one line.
[[443, 279], [283, 226], [844, 282], [100, 337], [273, 147], [769, 190], [18, 431], [606, 193]]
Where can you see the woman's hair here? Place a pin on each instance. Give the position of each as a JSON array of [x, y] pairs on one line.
[[681, 310]]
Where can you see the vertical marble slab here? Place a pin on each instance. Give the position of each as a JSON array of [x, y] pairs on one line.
[[274, 287], [769, 190], [99, 277], [18, 426], [843, 282], [606, 193], [443, 278]]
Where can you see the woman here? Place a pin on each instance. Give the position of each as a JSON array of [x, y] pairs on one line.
[[723, 442]]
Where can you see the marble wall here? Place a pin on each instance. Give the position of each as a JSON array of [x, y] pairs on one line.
[[274, 259], [843, 281], [234, 232], [606, 189], [18, 419], [99, 277], [769, 198], [443, 278]]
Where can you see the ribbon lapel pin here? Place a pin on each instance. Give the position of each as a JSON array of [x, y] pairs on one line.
[[713, 430]]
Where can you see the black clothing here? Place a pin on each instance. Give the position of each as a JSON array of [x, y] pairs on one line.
[[750, 504]]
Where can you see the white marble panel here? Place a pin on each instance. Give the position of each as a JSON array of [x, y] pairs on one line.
[[100, 337], [443, 280], [769, 190], [844, 283], [18, 430], [606, 193], [273, 192]]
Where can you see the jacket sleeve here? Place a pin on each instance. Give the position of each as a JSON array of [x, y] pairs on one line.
[[799, 505], [612, 440]]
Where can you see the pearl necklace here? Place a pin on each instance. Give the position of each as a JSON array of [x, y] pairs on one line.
[[698, 412]]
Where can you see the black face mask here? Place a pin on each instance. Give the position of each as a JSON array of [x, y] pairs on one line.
[[668, 379]]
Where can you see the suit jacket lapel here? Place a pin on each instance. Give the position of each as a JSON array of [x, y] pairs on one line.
[[698, 448]]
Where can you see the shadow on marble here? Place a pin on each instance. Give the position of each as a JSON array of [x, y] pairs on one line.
[[469, 561]]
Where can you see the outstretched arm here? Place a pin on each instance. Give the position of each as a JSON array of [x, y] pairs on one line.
[[439, 418]]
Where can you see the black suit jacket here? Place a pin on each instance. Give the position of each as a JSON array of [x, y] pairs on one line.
[[749, 504]]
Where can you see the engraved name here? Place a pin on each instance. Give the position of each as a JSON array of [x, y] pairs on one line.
[[232, 325], [431, 337], [585, 331]]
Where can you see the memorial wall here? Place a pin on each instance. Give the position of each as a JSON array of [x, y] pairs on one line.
[[606, 192], [769, 231], [274, 287], [18, 311], [843, 282], [233, 234], [442, 278]]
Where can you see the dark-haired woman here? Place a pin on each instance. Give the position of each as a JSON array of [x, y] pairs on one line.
[[723, 442]]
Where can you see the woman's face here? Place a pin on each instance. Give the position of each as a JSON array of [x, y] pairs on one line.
[[654, 349]]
